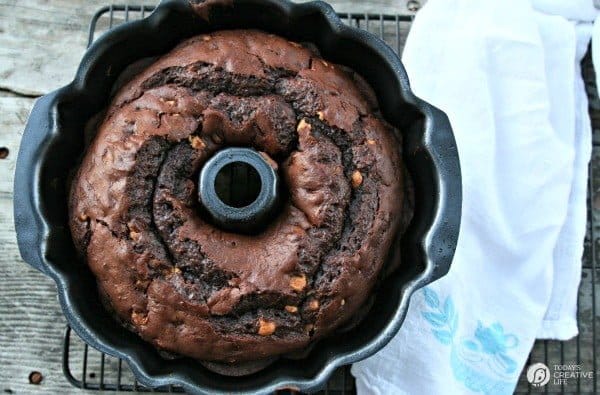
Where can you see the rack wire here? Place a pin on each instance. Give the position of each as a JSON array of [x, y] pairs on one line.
[[87, 368]]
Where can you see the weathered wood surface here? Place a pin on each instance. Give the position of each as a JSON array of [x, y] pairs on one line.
[[41, 43]]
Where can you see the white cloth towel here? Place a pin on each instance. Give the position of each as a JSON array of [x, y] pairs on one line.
[[507, 75]]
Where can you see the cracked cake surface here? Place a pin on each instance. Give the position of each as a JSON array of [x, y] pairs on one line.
[[191, 288]]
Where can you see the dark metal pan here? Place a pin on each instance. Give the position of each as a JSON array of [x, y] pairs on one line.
[[53, 141]]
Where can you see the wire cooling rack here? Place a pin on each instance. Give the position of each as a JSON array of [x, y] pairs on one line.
[[87, 368]]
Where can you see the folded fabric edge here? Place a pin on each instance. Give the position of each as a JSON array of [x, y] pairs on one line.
[[564, 329]]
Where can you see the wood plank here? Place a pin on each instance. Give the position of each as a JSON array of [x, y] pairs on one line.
[[32, 322], [42, 42]]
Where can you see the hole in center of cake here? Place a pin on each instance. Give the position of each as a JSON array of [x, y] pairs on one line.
[[238, 184], [238, 189]]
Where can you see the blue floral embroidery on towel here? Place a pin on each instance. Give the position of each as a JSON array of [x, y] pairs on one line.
[[481, 361]]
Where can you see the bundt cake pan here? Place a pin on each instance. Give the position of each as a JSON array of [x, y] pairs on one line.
[[54, 140]]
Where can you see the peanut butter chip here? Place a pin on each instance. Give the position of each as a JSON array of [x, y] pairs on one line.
[[139, 318], [313, 304], [83, 217], [321, 115], [196, 142], [371, 142], [171, 271], [357, 179], [302, 125], [298, 283], [291, 309], [268, 159], [266, 328], [142, 284], [135, 236]]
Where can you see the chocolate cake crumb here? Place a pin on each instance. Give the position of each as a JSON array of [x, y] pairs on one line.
[[179, 281], [35, 378]]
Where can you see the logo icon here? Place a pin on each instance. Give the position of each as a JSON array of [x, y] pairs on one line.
[[538, 374]]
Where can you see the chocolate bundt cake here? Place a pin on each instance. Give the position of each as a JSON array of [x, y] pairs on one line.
[[176, 278]]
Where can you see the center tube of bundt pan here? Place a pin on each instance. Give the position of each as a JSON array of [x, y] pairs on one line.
[[238, 189]]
